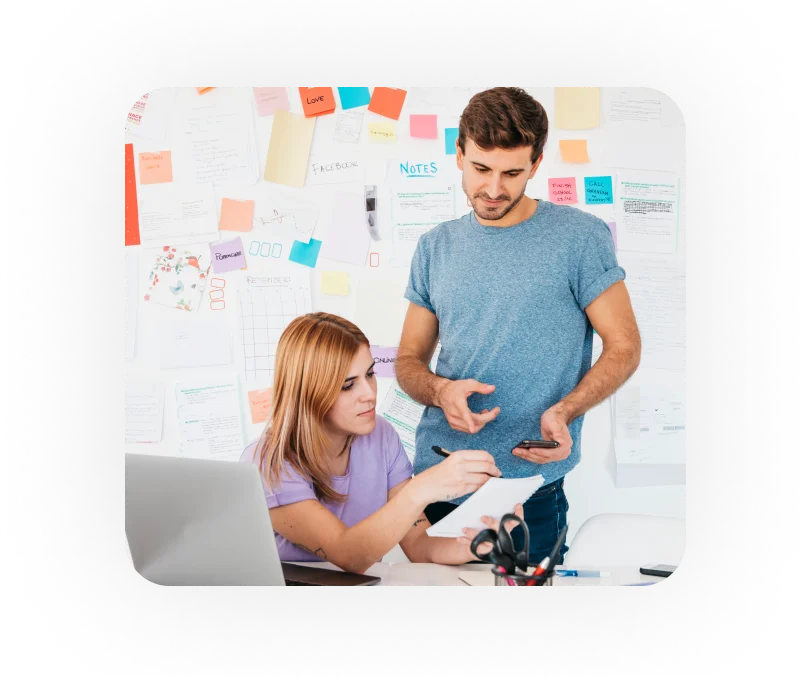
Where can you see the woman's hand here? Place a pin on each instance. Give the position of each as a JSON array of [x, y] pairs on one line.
[[469, 533], [461, 473]]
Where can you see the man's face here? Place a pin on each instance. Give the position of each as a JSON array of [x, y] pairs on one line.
[[494, 180]]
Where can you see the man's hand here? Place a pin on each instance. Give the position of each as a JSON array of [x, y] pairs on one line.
[[554, 428], [451, 398]]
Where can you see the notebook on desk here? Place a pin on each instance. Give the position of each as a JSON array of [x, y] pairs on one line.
[[205, 522]]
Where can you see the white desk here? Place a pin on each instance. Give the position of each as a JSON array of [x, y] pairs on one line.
[[433, 574]]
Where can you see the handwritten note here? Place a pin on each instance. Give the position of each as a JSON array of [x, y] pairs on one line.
[[228, 256], [382, 132], [450, 137], [317, 101], [270, 99], [156, 168], [574, 151], [384, 361], [598, 190], [353, 97], [259, 403], [334, 169], [236, 215], [289, 149], [424, 126], [387, 101], [335, 283], [562, 190]]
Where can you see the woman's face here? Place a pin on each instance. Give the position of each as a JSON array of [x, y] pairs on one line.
[[353, 411]]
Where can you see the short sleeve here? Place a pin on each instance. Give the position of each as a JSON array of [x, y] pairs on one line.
[[418, 289], [399, 467], [291, 488], [597, 268]]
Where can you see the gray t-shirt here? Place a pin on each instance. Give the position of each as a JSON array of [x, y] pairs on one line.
[[510, 305]]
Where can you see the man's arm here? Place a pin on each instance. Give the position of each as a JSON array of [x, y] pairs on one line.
[[416, 348]]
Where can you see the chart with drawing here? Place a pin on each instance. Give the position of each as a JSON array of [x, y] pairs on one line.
[[268, 303]]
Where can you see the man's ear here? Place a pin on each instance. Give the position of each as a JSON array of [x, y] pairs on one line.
[[536, 166], [458, 156]]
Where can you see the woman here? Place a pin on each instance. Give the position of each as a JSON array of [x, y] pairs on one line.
[[337, 480]]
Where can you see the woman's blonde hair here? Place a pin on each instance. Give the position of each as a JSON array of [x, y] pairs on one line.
[[313, 359]]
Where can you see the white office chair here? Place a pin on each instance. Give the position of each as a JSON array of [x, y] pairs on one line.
[[626, 540]]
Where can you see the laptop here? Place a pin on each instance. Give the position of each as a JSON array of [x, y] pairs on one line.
[[205, 522]]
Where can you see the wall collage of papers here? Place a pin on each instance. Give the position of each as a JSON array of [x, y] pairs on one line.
[[247, 207]]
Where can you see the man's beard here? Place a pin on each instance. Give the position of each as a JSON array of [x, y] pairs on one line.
[[493, 215]]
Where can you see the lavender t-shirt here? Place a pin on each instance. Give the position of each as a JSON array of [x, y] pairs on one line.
[[377, 463]]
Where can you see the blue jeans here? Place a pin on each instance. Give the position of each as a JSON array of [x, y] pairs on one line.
[[545, 516]]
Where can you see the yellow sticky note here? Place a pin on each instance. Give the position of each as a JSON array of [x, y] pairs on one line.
[[289, 149], [335, 283], [259, 402], [573, 151], [382, 132], [577, 107], [156, 168]]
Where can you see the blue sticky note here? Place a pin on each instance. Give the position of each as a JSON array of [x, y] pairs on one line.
[[450, 136], [598, 190], [352, 97], [305, 254]]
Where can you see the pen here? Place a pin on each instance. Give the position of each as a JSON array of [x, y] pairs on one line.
[[582, 573], [445, 454]]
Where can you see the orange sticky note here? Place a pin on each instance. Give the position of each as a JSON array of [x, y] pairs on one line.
[[573, 151], [203, 90], [562, 190], [424, 126], [132, 211], [156, 168], [260, 401], [317, 101], [387, 102], [236, 215]]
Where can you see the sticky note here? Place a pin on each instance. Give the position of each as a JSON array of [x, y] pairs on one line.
[[317, 101], [387, 101], [132, 210], [270, 99], [156, 168], [424, 126], [353, 97], [577, 107], [450, 136], [305, 254], [236, 215], [573, 150], [228, 256], [613, 228], [203, 90], [335, 283], [289, 149], [384, 361], [382, 132], [259, 402], [562, 190], [598, 190]]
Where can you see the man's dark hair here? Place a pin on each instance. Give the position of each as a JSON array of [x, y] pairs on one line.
[[504, 117]]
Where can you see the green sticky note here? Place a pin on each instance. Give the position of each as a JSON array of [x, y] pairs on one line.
[[305, 254]]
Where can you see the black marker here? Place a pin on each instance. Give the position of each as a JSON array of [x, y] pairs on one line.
[[445, 454]]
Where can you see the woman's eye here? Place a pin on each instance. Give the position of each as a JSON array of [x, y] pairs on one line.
[[347, 387], [370, 375]]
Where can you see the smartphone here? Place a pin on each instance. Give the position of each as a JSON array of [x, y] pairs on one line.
[[660, 569], [537, 443]]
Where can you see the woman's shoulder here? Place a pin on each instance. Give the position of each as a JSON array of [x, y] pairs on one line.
[[289, 474]]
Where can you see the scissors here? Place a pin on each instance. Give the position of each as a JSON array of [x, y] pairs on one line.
[[503, 553]]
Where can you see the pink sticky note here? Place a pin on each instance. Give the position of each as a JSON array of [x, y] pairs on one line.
[[384, 360], [227, 256], [269, 99], [259, 402], [156, 168], [236, 215], [613, 228], [424, 126], [562, 190]]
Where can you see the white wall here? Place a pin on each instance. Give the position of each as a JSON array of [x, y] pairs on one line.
[[590, 487]]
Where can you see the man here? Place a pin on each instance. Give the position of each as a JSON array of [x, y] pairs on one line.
[[513, 290]]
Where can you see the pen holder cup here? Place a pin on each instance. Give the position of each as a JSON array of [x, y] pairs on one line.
[[522, 580]]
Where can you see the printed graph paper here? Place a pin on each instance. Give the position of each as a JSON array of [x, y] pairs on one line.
[[268, 303]]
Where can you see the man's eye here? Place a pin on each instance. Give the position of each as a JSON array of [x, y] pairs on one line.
[[481, 171]]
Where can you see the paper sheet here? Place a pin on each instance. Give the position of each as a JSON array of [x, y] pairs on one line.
[[193, 343], [145, 406], [210, 423], [132, 297], [181, 215], [335, 168], [384, 361], [149, 117], [289, 148], [647, 212], [346, 237], [577, 107], [348, 126], [416, 208], [287, 218], [178, 276], [270, 99], [404, 415], [380, 308], [494, 498]]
